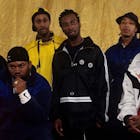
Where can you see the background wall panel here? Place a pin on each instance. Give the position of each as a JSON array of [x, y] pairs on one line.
[[97, 19]]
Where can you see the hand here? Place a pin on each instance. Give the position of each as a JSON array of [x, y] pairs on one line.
[[98, 125], [134, 124], [19, 85], [58, 127]]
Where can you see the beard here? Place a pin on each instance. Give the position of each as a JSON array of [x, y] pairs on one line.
[[72, 38], [42, 33], [72, 34], [126, 36]]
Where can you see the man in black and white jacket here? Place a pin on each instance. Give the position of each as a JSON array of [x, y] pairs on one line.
[[130, 102], [79, 83]]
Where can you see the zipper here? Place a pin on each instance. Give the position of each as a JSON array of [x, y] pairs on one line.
[[73, 64]]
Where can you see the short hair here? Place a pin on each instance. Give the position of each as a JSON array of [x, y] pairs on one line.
[[38, 12], [41, 11], [68, 12]]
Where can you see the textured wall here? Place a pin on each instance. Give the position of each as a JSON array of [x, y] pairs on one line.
[[97, 19]]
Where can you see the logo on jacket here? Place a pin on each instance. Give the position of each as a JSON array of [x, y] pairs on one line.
[[81, 62], [90, 65]]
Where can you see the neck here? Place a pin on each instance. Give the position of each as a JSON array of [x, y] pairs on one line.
[[76, 42], [44, 37], [126, 40]]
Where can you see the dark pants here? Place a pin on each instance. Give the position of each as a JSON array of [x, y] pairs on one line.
[[89, 133], [114, 130]]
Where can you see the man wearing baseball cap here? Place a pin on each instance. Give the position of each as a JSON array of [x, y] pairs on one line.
[[42, 49], [132, 17], [24, 100], [119, 56]]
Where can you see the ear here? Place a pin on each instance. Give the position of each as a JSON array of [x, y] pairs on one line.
[[136, 30], [30, 64], [34, 28]]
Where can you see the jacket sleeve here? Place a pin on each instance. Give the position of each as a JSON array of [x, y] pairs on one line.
[[37, 109], [127, 105], [55, 104], [102, 87]]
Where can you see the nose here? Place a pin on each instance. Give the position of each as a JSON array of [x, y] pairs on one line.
[[69, 27], [41, 25], [17, 69]]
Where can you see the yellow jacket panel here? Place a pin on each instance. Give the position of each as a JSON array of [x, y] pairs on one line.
[[44, 53]]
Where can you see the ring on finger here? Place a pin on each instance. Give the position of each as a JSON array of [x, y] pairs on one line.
[[16, 82]]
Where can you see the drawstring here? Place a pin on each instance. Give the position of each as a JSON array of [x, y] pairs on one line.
[[38, 49]]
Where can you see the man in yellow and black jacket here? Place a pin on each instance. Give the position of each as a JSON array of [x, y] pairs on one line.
[[42, 49]]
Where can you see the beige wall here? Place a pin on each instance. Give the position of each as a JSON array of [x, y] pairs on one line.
[[97, 19]]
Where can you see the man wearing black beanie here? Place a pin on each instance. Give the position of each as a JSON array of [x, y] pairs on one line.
[[24, 100]]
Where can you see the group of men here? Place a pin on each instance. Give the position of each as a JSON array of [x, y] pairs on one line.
[[69, 86]]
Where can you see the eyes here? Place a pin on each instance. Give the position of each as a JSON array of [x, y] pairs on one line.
[[44, 20], [13, 67], [72, 22], [127, 21]]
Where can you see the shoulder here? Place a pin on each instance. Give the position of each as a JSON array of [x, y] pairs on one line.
[[88, 42], [135, 64], [30, 45], [112, 50], [58, 39], [134, 67], [40, 82], [2, 61], [4, 88], [137, 40]]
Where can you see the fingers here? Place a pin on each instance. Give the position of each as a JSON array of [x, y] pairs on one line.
[[19, 85], [58, 127], [134, 125], [134, 130], [60, 132], [16, 82]]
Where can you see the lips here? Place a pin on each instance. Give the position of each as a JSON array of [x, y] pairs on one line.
[[42, 31], [17, 75], [71, 32], [126, 30]]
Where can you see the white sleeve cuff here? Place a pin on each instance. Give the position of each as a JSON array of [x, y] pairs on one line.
[[24, 96]]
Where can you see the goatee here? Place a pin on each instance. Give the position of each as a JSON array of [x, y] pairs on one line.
[[126, 36]]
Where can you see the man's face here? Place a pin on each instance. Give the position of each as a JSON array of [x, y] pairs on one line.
[[19, 69], [127, 27], [70, 26], [42, 23]]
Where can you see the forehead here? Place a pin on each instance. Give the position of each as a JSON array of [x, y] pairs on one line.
[[127, 19], [41, 16], [69, 17], [16, 63]]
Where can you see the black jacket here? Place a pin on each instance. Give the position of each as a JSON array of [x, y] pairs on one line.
[[79, 85]]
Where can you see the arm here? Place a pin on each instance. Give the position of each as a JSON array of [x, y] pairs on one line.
[[55, 110], [127, 105], [102, 85], [35, 101]]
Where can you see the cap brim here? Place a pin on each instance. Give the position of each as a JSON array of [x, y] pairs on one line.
[[119, 19]]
